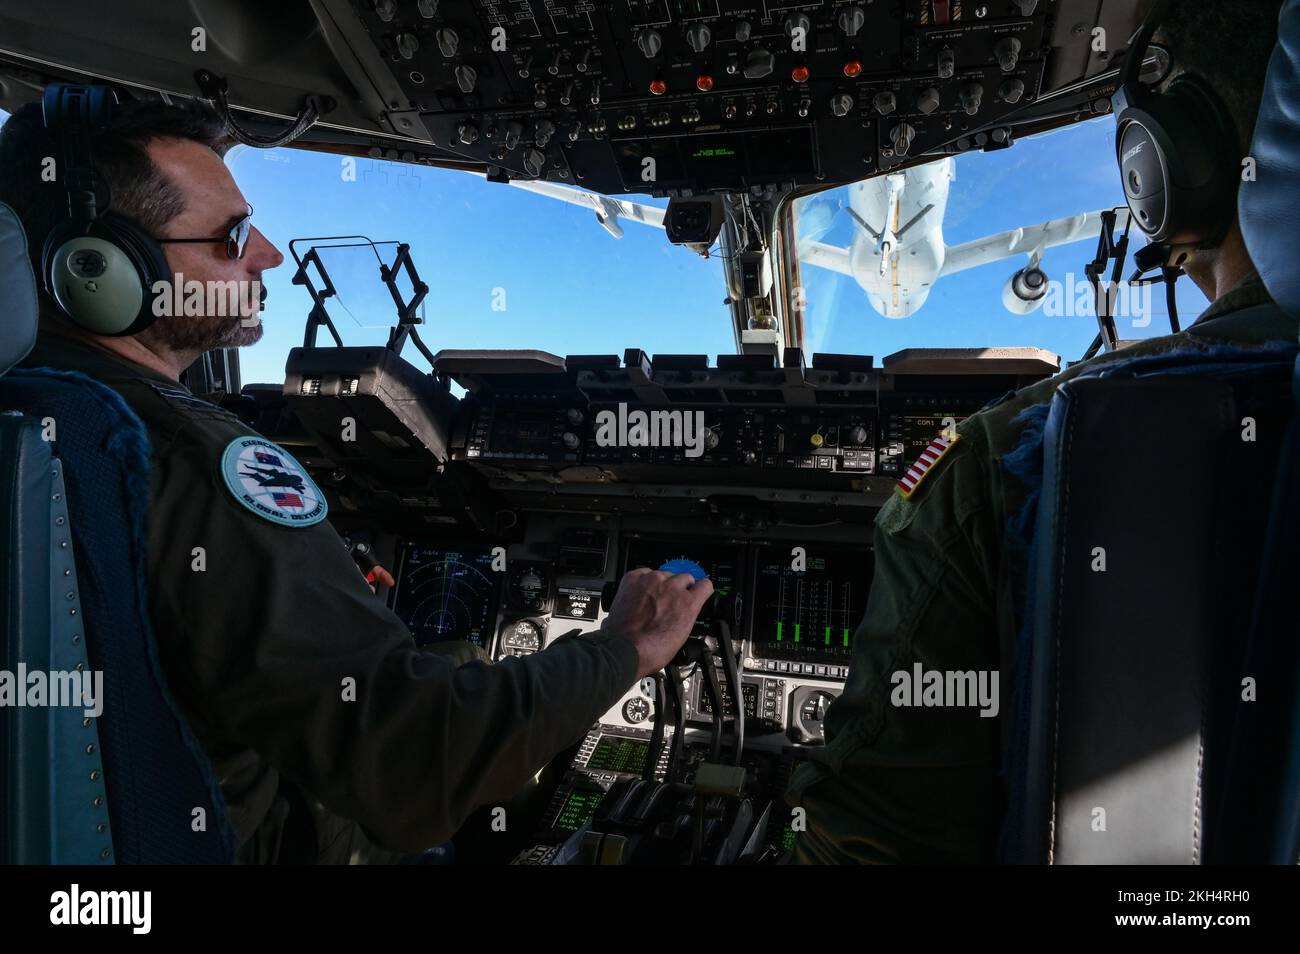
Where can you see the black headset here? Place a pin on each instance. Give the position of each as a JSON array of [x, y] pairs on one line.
[[98, 265], [1178, 152]]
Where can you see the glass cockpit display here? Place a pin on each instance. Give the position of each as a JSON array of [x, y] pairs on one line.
[[445, 594], [919, 430], [721, 563], [809, 613], [614, 753]]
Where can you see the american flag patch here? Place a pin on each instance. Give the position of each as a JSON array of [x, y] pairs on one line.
[[287, 500], [929, 457]]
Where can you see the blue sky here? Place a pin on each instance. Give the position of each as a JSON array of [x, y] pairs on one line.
[[1059, 174], [568, 287]]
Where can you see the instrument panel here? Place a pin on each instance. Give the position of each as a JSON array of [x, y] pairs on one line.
[[692, 95], [553, 486], [839, 425], [802, 601]]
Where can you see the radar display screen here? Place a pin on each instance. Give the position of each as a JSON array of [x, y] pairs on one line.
[[446, 594], [719, 562], [616, 753], [809, 615]]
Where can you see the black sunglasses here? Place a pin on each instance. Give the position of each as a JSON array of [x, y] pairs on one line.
[[236, 240]]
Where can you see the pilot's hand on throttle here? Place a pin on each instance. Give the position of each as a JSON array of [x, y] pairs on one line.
[[656, 611]]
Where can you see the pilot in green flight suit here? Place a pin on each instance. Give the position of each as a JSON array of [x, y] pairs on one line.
[[921, 784], [263, 633], [289, 670], [918, 784]]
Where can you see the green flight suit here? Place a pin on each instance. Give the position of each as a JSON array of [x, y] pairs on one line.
[[256, 649], [916, 784]]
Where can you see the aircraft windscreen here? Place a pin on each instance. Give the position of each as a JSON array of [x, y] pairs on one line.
[[505, 268], [885, 264]]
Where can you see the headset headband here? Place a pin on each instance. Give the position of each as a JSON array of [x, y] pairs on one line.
[[1129, 88], [75, 113]]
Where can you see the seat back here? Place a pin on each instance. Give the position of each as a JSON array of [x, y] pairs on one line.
[[1153, 512], [98, 767]]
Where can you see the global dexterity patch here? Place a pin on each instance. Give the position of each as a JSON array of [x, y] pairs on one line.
[[268, 481], [925, 463]]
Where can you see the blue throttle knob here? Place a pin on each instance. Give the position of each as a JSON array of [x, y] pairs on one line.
[[685, 566]]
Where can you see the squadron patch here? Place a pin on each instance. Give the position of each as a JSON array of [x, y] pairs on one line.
[[929, 457], [268, 481]]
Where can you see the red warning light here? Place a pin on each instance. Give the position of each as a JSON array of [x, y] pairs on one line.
[[658, 87], [852, 68], [704, 83], [800, 74]]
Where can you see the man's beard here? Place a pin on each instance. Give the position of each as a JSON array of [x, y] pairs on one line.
[[192, 333]]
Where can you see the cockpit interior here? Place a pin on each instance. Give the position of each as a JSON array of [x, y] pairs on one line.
[[576, 288]]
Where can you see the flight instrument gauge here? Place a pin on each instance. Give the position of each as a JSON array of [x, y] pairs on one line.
[[809, 715], [636, 709], [529, 587], [522, 638]]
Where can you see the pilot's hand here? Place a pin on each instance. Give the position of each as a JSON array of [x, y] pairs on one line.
[[460, 651], [656, 611], [379, 575]]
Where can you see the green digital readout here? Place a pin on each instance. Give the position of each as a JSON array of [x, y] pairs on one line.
[[807, 611], [616, 754], [579, 808], [714, 152]]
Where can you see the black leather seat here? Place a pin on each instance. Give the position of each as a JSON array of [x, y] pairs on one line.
[[129, 784], [1157, 715]]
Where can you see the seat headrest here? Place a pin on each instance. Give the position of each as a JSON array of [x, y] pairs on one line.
[[18, 308], [1269, 210]]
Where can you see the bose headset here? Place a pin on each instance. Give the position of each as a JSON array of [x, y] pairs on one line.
[[1178, 154], [98, 265]]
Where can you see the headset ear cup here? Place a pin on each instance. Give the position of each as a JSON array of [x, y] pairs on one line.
[[95, 282], [1190, 193]]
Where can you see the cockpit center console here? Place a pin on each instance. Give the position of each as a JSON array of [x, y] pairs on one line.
[[508, 514]]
